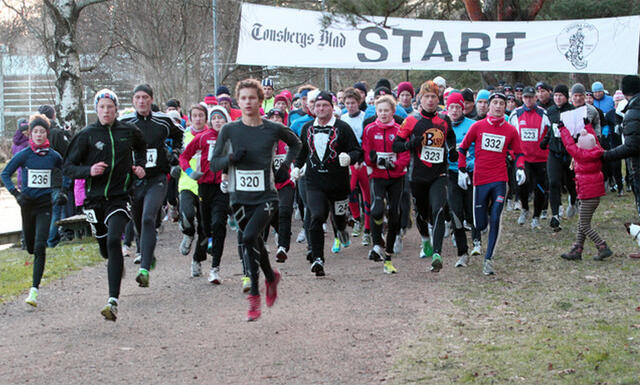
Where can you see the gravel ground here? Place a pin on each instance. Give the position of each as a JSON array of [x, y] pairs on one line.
[[344, 328]]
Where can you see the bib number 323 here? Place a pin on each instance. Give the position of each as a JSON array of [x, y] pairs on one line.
[[249, 180], [432, 154]]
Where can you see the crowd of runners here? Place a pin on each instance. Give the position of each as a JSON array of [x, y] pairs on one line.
[[359, 159]]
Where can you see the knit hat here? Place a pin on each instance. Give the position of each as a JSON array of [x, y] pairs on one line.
[[429, 87], [222, 90], [406, 86], [578, 89], [47, 110], [324, 95], [287, 94], [518, 87], [144, 88], [381, 91], [586, 141], [483, 95], [562, 89], [23, 124], [268, 82], [105, 93], [630, 85], [455, 98], [447, 91], [210, 99], [597, 87], [529, 91], [467, 95], [313, 95], [497, 95], [507, 87], [219, 110], [360, 86], [440, 82], [280, 98], [175, 103], [175, 116], [304, 93], [39, 120], [275, 111], [618, 96], [544, 86], [224, 98], [383, 83]]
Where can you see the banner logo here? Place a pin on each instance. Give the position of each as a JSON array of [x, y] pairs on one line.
[[576, 42]]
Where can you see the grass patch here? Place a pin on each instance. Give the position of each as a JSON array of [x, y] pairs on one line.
[[541, 320], [16, 265]]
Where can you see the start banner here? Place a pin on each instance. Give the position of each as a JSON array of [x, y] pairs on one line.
[[277, 36]]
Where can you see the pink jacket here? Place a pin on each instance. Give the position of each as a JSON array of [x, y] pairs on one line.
[[587, 165], [78, 192], [379, 138]]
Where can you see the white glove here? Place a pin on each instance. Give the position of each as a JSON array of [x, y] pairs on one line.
[[463, 180], [295, 174], [344, 159], [521, 177], [224, 187], [303, 170]]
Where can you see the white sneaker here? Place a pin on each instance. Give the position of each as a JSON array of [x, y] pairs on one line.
[[510, 204], [301, 237], [487, 268], [561, 211], [535, 223], [397, 246], [477, 248], [543, 214], [196, 269], [572, 211], [126, 251], [447, 228], [185, 245], [297, 215], [214, 277], [463, 261], [366, 239], [523, 217], [517, 205], [137, 259], [467, 226]]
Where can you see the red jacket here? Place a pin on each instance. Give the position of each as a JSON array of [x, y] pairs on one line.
[[278, 158], [379, 138], [492, 142], [532, 125], [203, 142], [587, 165]]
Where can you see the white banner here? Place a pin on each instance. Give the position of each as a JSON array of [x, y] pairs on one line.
[[276, 36]]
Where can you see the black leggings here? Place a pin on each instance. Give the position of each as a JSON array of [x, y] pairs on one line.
[[430, 196], [148, 196], [320, 204], [559, 174], [405, 203], [252, 220], [214, 206], [282, 221], [461, 207], [536, 181], [190, 212], [391, 190], [36, 219], [109, 239]]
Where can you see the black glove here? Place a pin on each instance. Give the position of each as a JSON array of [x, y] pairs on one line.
[[544, 143], [386, 163], [560, 124], [586, 121], [174, 158], [413, 143], [282, 174], [175, 172], [61, 199], [237, 155], [453, 155], [373, 155], [20, 198]]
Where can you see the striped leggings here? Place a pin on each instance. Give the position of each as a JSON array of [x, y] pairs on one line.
[[587, 208]]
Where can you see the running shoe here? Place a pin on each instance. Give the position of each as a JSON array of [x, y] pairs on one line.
[[535, 223], [214, 276], [467, 226], [366, 239], [185, 245], [477, 247], [232, 223], [447, 229], [487, 267], [397, 246], [196, 269], [376, 254], [510, 205], [110, 310], [32, 299], [357, 228], [324, 227], [336, 246], [561, 211], [137, 259], [427, 249], [436, 263], [463, 261], [254, 308], [574, 255], [523, 217], [301, 237], [271, 289], [343, 237], [318, 267], [517, 206], [143, 278], [153, 262], [126, 251], [572, 211], [246, 284], [603, 252], [555, 223], [389, 268], [281, 255], [543, 214]]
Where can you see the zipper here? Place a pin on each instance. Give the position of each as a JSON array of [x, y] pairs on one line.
[[113, 159]]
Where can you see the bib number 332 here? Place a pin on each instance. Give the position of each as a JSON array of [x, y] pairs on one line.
[[492, 142]]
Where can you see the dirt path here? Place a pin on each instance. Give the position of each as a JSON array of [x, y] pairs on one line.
[[341, 329]]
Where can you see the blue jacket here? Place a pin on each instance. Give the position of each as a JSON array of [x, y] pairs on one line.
[[371, 111], [461, 130], [605, 104], [36, 165], [297, 124]]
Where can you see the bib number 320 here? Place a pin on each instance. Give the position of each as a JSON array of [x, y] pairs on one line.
[[249, 180]]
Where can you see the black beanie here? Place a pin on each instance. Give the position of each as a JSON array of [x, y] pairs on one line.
[[175, 103], [47, 111], [383, 83], [324, 95], [144, 88], [222, 90], [467, 95], [39, 120], [563, 89], [630, 85]]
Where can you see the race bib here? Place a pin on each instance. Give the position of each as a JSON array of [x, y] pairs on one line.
[[388, 156], [432, 154], [249, 180], [492, 142], [278, 160], [212, 145], [91, 216], [152, 157], [529, 134], [39, 178], [341, 207], [556, 130]]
